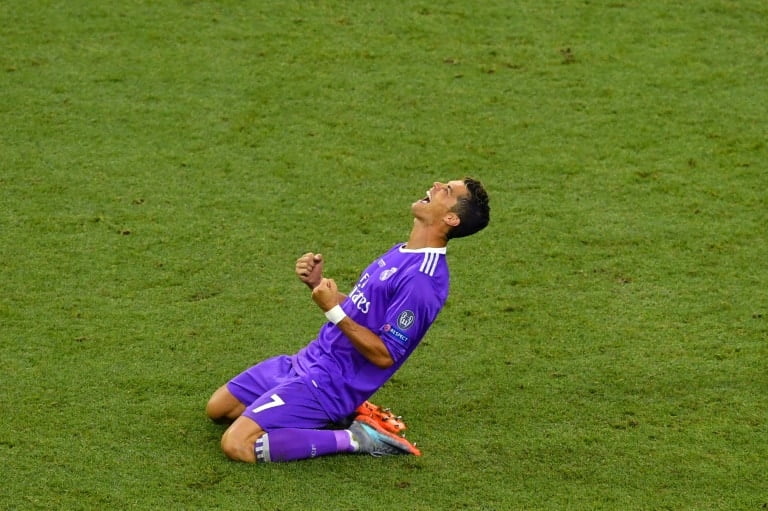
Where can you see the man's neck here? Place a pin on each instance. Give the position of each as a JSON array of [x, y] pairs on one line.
[[425, 237]]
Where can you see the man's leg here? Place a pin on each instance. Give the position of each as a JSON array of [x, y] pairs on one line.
[[229, 400], [291, 404], [293, 417], [223, 406], [295, 420], [246, 441], [239, 439]]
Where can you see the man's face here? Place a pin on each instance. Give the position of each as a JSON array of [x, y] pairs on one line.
[[439, 201]]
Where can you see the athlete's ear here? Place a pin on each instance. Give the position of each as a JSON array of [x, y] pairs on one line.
[[452, 219]]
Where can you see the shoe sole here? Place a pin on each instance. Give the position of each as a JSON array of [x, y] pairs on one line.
[[390, 438]]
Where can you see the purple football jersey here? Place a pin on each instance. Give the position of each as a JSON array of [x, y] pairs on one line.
[[398, 297]]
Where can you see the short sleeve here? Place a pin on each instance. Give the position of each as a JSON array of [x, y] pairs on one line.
[[413, 308]]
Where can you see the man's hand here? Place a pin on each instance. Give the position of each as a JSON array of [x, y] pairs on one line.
[[309, 269], [326, 294]]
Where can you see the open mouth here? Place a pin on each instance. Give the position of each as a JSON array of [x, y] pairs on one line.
[[428, 198]]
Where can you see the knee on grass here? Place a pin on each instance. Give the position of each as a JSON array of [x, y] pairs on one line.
[[238, 448], [214, 411], [223, 407]]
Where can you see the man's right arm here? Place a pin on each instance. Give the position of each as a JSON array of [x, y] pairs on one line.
[[370, 345]]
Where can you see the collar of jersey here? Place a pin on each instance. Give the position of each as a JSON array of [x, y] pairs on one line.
[[425, 250]]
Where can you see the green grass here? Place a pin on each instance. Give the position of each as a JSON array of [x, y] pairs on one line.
[[162, 165]]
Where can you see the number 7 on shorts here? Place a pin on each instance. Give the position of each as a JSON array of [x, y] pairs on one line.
[[276, 401]]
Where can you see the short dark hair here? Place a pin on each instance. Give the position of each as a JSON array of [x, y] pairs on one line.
[[473, 210]]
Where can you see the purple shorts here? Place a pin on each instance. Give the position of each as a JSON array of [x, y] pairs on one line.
[[276, 397]]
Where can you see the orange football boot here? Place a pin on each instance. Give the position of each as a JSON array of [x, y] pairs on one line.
[[383, 416]]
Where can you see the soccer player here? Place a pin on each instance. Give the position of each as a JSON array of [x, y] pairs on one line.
[[293, 407]]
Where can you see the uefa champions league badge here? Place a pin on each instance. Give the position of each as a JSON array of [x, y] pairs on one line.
[[406, 319]]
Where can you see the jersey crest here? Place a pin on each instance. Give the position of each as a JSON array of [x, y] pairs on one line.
[[387, 273]]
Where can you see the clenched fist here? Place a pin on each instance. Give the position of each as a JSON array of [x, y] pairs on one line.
[[309, 269], [326, 294]]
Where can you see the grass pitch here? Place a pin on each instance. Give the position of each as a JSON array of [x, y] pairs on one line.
[[163, 164]]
